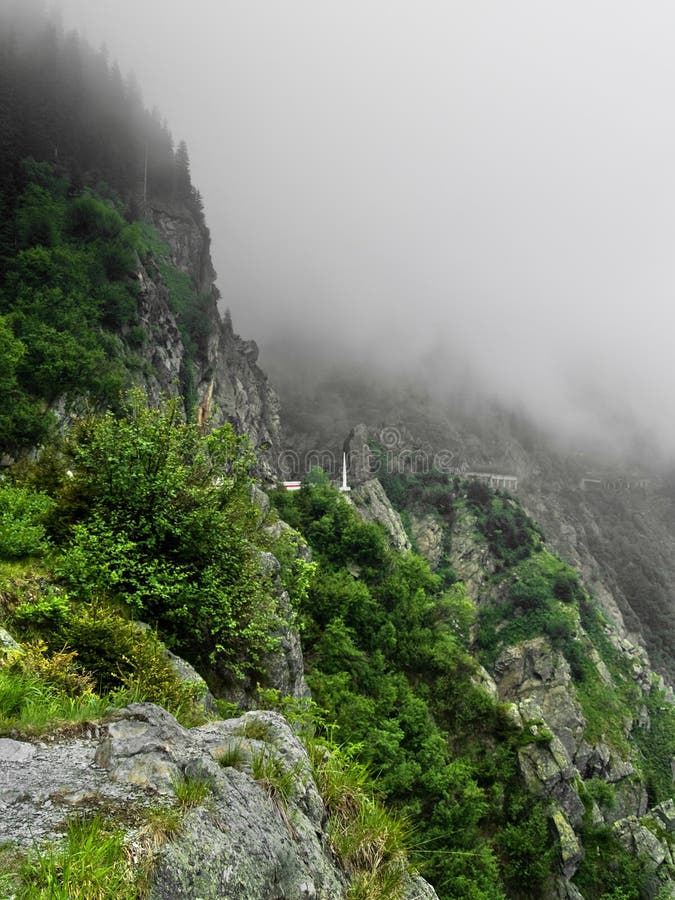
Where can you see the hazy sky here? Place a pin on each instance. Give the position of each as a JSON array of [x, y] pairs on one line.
[[493, 178]]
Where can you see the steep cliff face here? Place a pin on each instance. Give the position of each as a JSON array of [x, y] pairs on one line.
[[590, 729], [228, 384]]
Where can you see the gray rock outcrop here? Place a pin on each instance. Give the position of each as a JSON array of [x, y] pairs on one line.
[[7, 642], [229, 384], [245, 839], [373, 505], [427, 532]]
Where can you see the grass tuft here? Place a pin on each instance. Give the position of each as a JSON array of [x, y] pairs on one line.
[[256, 730], [91, 864], [371, 842], [231, 756], [191, 791]]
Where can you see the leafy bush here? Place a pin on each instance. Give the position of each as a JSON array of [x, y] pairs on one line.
[[620, 874], [89, 218], [161, 520], [122, 658], [49, 610], [23, 421], [22, 515], [510, 533], [59, 669]]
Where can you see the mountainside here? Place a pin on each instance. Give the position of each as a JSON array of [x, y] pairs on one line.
[[107, 277], [213, 688], [227, 385], [613, 519], [580, 728]]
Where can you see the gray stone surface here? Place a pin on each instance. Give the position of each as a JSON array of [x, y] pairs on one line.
[[7, 642], [656, 854], [239, 843], [534, 675], [664, 813], [373, 505], [427, 532], [418, 889], [12, 751], [230, 385], [571, 851]]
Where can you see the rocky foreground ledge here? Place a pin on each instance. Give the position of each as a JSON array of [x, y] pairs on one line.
[[238, 843]]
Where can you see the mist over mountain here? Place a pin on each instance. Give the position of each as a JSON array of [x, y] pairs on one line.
[[487, 184], [450, 677]]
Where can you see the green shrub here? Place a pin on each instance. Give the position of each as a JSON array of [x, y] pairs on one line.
[[48, 611], [608, 870], [601, 792], [90, 218], [59, 669], [511, 535], [125, 659], [166, 526], [22, 515]]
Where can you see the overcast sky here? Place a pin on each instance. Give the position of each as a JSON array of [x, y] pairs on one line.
[[491, 178]]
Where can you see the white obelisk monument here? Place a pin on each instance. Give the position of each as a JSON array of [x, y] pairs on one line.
[[345, 487]]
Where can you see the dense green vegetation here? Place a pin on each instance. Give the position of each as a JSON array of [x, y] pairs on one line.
[[137, 514], [80, 160], [386, 652], [91, 863], [532, 593], [69, 326], [146, 512], [66, 103], [143, 515]]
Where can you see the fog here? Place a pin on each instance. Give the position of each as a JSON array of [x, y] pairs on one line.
[[482, 183]]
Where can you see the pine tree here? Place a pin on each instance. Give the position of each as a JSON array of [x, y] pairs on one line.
[[182, 182]]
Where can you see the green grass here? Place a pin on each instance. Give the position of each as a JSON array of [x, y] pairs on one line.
[[191, 791], [91, 864], [271, 774], [232, 756], [371, 842], [256, 730], [30, 706], [605, 712]]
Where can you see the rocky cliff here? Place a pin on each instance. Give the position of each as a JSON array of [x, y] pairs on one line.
[[590, 728], [228, 384], [583, 695]]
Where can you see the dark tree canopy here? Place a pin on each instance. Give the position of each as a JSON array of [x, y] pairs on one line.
[[64, 103]]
